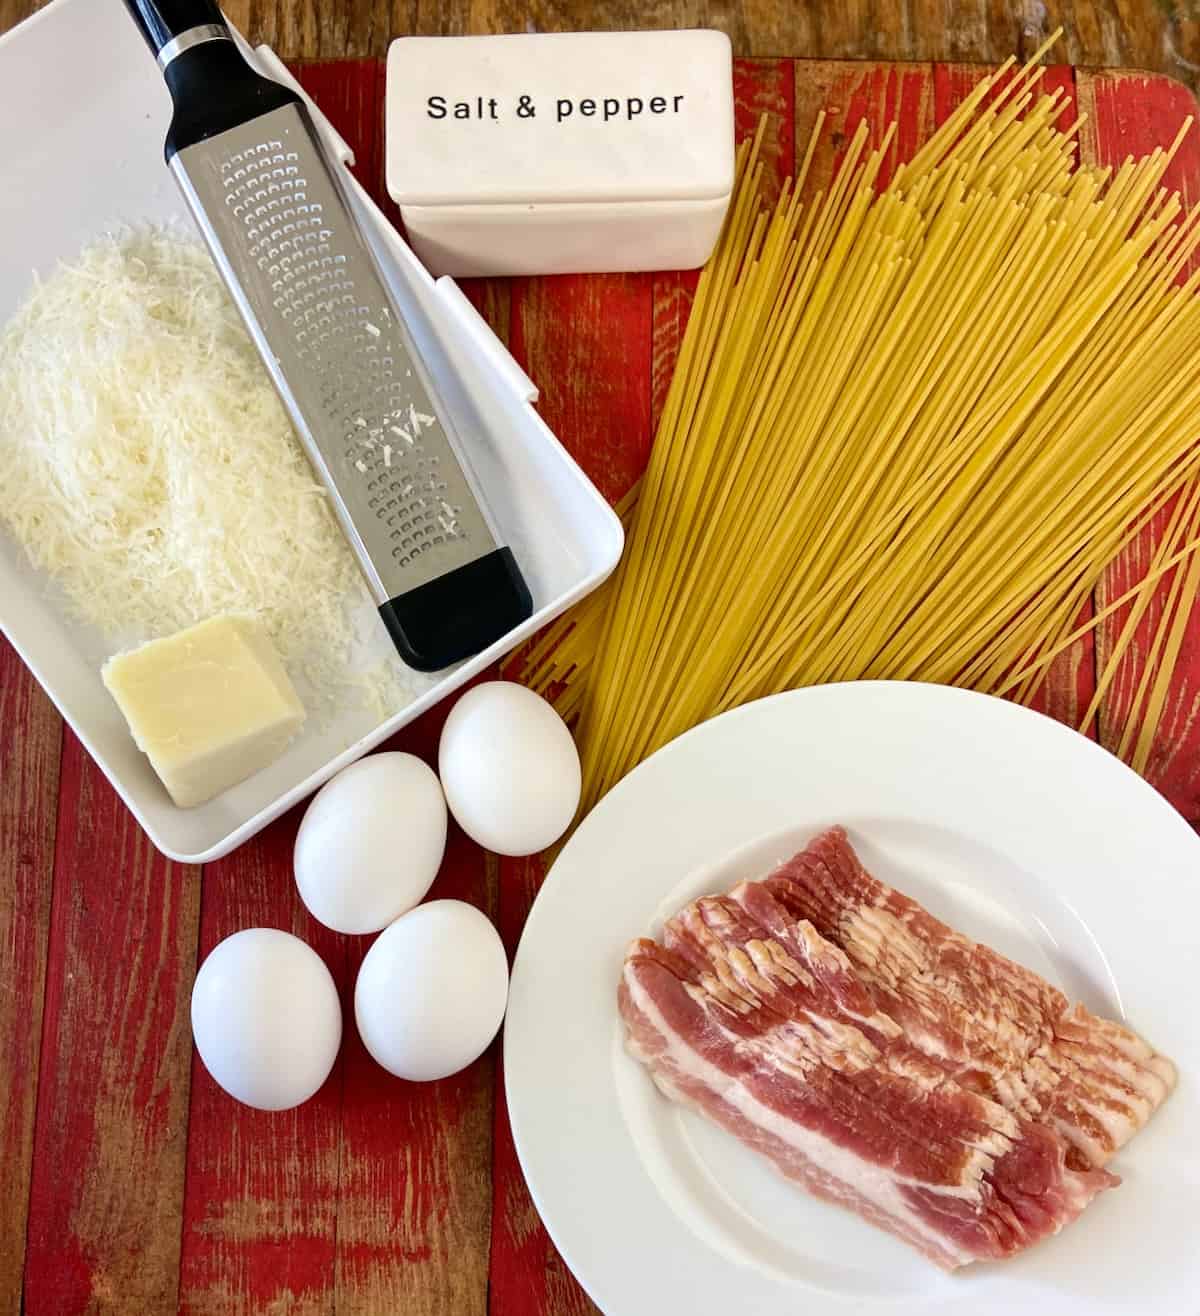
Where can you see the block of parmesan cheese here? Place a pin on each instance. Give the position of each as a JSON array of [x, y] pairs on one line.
[[209, 706]]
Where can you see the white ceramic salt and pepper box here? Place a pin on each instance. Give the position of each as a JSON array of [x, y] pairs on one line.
[[561, 152]]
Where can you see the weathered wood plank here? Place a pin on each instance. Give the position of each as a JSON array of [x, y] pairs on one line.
[[110, 1140], [1160, 35], [848, 93], [594, 380], [30, 748]]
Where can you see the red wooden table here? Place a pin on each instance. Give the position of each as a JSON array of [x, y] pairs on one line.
[[128, 1181]]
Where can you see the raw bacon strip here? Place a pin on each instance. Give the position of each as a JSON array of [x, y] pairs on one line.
[[984, 1020], [762, 1024]]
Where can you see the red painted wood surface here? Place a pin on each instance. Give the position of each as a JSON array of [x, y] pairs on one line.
[[129, 1183], [111, 1136], [30, 746]]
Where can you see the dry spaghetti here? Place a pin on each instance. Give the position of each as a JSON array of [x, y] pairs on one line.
[[909, 428]]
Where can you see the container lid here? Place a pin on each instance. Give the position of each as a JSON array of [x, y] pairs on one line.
[[560, 118]]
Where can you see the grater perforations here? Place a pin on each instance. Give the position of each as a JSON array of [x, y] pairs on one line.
[[345, 338]]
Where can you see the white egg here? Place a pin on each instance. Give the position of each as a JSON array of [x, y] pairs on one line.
[[509, 768], [371, 842], [266, 1018], [432, 990]]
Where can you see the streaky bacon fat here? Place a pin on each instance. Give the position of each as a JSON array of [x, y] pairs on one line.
[[884, 1062]]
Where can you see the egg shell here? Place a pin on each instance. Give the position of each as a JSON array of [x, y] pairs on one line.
[[509, 769], [371, 842], [266, 1018], [432, 991]]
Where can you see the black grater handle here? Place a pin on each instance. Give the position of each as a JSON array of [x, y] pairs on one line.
[[161, 21], [457, 615], [212, 87]]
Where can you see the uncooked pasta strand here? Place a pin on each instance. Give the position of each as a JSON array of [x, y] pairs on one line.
[[910, 425]]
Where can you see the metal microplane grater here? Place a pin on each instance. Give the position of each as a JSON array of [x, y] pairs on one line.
[[277, 219]]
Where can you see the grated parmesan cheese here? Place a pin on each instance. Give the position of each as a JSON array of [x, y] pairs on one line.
[[148, 467]]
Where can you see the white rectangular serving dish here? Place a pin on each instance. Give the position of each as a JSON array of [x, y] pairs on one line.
[[89, 159]]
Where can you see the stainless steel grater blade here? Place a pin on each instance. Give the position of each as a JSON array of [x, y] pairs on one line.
[[341, 358], [277, 219]]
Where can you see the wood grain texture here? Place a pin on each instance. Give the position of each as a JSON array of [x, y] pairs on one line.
[[1159, 35], [109, 1144], [593, 382], [30, 747]]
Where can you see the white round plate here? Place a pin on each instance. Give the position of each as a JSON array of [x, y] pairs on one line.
[[1012, 828]]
